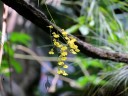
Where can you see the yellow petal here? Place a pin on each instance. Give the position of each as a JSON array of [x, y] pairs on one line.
[[50, 26], [56, 36], [65, 66], [59, 71], [63, 48], [64, 53], [77, 50], [60, 63], [63, 58], [72, 51], [65, 74], [51, 52]]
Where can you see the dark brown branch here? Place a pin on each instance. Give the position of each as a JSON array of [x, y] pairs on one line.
[[40, 19]]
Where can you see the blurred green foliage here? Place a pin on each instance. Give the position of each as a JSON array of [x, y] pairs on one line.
[[9, 51], [96, 22], [102, 27]]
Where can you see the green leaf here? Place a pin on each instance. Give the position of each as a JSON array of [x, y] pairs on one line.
[[91, 62], [8, 49], [4, 64], [81, 20], [16, 65], [113, 38], [82, 81], [73, 28], [22, 38]]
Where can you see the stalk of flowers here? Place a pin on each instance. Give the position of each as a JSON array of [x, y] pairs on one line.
[[64, 49]]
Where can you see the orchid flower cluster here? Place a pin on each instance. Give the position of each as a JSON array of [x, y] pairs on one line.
[[63, 49]]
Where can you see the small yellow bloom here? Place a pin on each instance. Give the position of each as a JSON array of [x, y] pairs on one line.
[[57, 44], [64, 53], [72, 51], [59, 71], [54, 40], [63, 48], [51, 51], [74, 40], [71, 44], [62, 30], [64, 73], [56, 36], [50, 26], [77, 50], [64, 33], [66, 38], [63, 58], [60, 63], [65, 66], [75, 47], [53, 33]]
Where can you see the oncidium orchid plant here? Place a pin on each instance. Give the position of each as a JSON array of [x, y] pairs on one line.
[[63, 49]]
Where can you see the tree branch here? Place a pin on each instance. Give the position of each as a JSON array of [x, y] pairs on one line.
[[40, 19]]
